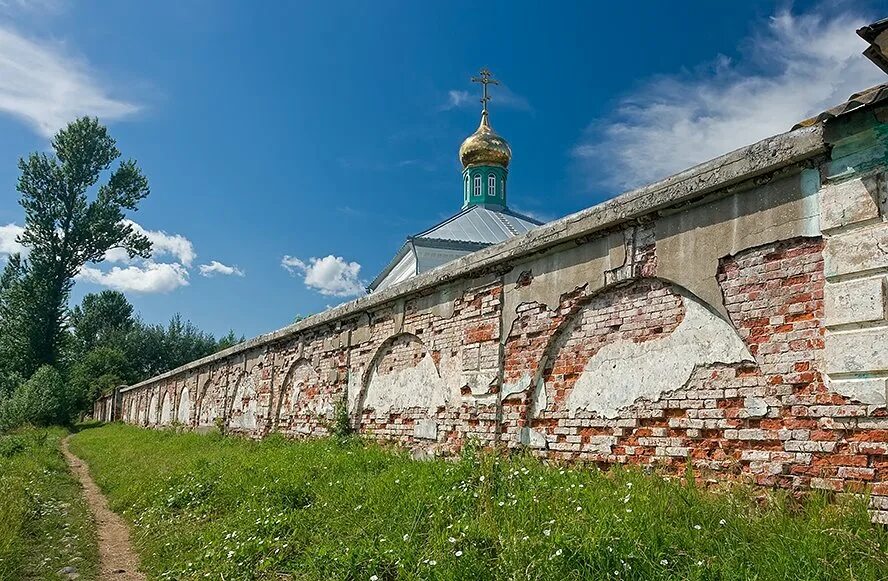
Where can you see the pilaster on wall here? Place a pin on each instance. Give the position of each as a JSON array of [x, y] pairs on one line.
[[853, 204], [856, 265]]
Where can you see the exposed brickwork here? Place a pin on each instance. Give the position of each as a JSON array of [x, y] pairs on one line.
[[770, 418]]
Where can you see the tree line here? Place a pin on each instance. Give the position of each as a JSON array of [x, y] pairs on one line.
[[55, 360]]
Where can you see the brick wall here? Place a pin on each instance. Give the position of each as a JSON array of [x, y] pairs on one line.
[[741, 335]]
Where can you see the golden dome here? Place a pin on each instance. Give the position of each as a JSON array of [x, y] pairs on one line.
[[485, 147]]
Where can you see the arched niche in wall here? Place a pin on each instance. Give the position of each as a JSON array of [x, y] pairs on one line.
[[625, 343], [166, 407], [300, 397], [402, 376], [130, 410], [244, 404], [152, 411], [208, 409], [184, 409]]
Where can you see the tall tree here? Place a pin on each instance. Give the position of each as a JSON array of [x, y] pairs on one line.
[[101, 319], [64, 229]]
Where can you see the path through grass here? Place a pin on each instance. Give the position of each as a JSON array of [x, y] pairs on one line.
[[213, 507], [45, 525]]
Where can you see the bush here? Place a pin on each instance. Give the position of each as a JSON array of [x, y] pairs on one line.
[[43, 400]]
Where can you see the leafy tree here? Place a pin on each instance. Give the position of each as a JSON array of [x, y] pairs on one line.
[[101, 319], [229, 340], [43, 400], [97, 373], [64, 229], [155, 349]]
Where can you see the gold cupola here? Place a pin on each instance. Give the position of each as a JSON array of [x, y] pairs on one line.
[[485, 147]]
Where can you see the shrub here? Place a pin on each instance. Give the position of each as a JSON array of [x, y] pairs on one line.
[[43, 400]]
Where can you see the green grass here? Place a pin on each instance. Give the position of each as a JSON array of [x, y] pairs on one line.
[[45, 524], [226, 508]]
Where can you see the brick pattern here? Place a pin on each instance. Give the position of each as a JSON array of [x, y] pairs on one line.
[[307, 401], [772, 420]]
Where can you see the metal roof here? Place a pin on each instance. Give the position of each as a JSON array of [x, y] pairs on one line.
[[471, 229], [480, 225], [856, 101]]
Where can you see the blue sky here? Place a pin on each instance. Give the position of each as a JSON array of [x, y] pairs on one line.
[[291, 147]]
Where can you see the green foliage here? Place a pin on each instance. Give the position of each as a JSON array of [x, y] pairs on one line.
[[65, 230], [229, 340], [100, 343], [153, 349], [97, 373], [341, 427], [101, 319], [44, 522], [42, 400], [216, 507]]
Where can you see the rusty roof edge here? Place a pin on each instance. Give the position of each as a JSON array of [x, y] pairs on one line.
[[753, 160]]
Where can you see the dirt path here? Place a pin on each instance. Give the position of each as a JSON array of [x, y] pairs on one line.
[[117, 559]]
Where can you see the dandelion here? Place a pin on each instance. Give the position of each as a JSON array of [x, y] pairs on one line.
[[547, 532], [374, 578], [458, 553], [433, 562], [699, 563], [501, 503], [664, 562], [697, 527]]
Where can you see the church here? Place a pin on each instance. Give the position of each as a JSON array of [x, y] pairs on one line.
[[485, 218]]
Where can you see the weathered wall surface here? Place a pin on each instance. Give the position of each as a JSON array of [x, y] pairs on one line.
[[732, 317]]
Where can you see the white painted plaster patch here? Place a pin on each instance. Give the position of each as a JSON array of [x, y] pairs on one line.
[[425, 430], [151, 411], [184, 413], [166, 410], [243, 411], [532, 438], [870, 391], [208, 411], [516, 387], [621, 373], [414, 387]]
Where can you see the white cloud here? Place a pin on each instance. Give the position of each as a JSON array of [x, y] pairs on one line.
[[330, 275], [8, 236], [499, 96], [162, 244], [45, 87], [457, 99], [215, 267], [800, 65], [150, 277], [146, 276]]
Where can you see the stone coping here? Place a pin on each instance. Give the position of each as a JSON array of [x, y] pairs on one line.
[[763, 157]]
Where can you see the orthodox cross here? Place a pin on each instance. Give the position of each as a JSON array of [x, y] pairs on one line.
[[485, 79]]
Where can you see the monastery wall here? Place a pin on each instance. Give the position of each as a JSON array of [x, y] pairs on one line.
[[731, 317]]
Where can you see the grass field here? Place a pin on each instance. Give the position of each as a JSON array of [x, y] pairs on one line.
[[226, 508], [44, 522]]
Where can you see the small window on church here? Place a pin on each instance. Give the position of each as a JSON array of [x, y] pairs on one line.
[[491, 184], [477, 185]]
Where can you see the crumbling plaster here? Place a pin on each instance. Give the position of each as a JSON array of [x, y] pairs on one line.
[[776, 251], [621, 373]]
